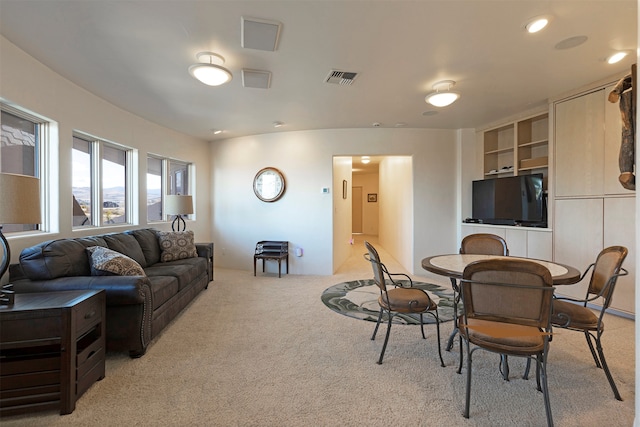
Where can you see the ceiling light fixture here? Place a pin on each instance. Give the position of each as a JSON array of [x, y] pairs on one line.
[[217, 131], [277, 124], [210, 73], [537, 24], [616, 57], [365, 159], [442, 95]]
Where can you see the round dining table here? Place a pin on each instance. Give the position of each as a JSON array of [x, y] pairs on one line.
[[453, 265]]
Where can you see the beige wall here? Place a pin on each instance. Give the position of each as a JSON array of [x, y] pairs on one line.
[[305, 216], [30, 85], [369, 183]]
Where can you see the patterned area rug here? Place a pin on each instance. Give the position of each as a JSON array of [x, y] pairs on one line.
[[359, 299]]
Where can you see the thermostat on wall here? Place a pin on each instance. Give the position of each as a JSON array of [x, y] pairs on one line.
[[325, 190]]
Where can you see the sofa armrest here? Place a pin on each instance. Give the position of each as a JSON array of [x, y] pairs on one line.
[[120, 290], [205, 250]]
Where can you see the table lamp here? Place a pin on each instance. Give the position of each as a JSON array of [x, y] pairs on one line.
[[178, 205], [19, 204]]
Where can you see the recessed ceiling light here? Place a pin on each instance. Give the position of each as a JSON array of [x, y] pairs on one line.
[[277, 124], [537, 24], [616, 57], [365, 159], [216, 131]]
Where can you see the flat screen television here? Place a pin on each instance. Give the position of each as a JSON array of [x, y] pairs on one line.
[[514, 200]]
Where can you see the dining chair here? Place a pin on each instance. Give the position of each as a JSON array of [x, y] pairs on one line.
[[507, 310], [477, 244], [484, 244], [574, 314], [400, 299]]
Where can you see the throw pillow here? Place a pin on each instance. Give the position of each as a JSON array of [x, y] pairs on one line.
[[176, 245], [107, 262]]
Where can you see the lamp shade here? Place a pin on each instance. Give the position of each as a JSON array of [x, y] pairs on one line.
[[19, 199], [178, 205]]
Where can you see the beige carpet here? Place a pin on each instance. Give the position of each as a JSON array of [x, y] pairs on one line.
[[264, 351]]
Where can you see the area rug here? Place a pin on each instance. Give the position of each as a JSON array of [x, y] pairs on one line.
[[359, 299]]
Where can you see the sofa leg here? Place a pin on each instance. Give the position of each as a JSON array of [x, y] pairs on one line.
[[135, 354]]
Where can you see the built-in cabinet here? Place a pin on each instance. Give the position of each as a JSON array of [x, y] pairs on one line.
[[591, 209], [516, 148], [521, 241]]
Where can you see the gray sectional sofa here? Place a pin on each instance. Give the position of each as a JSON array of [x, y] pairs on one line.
[[142, 296]]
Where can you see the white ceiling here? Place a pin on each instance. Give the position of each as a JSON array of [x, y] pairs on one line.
[[136, 55]]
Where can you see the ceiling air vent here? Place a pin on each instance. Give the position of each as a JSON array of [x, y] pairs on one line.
[[340, 77]]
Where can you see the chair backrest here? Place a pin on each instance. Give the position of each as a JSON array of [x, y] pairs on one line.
[[484, 244], [605, 272], [508, 290], [378, 268]]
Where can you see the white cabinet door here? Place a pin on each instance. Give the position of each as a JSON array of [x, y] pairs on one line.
[[579, 145], [540, 245], [517, 241], [577, 237], [620, 230]]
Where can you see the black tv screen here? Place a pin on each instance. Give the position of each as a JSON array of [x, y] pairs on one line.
[[510, 201]]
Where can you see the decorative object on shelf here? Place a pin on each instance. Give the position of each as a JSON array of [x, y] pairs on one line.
[[344, 188], [178, 205], [19, 204], [269, 184], [209, 73], [443, 96], [372, 197]]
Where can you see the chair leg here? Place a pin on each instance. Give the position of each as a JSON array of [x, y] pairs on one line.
[[386, 339], [525, 376], [468, 392], [605, 367], [375, 331], [459, 371], [422, 327], [545, 389], [593, 350]]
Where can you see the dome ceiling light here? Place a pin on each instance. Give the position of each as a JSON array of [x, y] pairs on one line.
[[211, 73], [365, 159], [442, 96]]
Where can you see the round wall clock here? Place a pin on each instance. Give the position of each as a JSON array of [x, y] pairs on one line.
[[269, 184]]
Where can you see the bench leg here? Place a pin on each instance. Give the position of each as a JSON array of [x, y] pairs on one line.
[[254, 266]]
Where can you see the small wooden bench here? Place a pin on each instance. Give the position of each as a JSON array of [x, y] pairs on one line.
[[271, 249]]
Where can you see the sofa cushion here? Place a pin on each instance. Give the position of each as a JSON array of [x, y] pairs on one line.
[[176, 245], [148, 241], [163, 288], [185, 270], [58, 258], [127, 245], [107, 262]]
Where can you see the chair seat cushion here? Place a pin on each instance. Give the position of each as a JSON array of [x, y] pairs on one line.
[[407, 300], [580, 317], [503, 337]]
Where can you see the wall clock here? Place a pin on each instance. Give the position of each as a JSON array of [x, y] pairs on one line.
[[269, 184]]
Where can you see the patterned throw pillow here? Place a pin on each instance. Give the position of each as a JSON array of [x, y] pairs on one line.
[[176, 245], [107, 262]]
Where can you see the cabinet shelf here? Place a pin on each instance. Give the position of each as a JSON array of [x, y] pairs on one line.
[[499, 151], [534, 143]]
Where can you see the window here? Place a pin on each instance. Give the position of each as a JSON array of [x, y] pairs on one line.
[[19, 152], [154, 189], [100, 175], [165, 176]]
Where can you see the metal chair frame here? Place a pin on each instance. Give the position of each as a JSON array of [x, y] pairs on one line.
[[543, 323], [380, 271], [594, 336]]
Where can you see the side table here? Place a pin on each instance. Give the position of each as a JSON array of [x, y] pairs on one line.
[[52, 349]]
